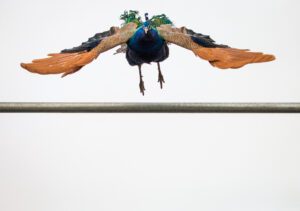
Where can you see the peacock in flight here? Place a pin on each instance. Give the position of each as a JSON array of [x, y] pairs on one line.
[[145, 42]]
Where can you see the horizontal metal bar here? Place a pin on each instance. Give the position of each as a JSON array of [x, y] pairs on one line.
[[149, 107]]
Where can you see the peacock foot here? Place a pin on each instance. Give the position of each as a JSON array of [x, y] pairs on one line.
[[142, 87]]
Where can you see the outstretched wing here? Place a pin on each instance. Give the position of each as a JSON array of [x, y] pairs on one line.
[[221, 56], [72, 60]]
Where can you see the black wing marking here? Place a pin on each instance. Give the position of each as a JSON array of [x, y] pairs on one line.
[[203, 40], [92, 42]]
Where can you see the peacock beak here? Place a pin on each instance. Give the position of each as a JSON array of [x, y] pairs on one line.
[[146, 29]]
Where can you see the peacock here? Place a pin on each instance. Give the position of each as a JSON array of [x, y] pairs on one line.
[[144, 42]]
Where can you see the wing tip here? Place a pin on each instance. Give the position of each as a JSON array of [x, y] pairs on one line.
[[26, 66], [270, 57], [23, 65], [30, 68]]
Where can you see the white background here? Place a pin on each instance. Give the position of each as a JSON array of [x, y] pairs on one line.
[[150, 161]]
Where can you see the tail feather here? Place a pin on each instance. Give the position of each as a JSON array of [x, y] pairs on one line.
[[225, 58]]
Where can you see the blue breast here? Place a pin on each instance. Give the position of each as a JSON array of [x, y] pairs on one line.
[[141, 42]]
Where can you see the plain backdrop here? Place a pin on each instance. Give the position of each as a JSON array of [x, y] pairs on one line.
[[150, 161]]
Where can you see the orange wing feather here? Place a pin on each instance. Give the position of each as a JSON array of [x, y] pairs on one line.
[[66, 63], [225, 58]]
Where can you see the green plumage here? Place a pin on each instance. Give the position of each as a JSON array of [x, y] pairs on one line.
[[132, 16], [158, 20]]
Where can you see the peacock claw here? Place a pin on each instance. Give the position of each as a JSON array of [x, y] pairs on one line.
[[161, 80], [142, 87]]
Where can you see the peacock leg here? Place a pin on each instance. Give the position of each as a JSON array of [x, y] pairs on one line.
[[161, 79], [142, 86]]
